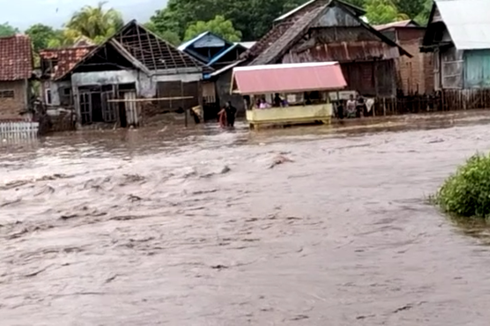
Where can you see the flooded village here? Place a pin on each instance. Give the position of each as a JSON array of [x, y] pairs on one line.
[[123, 201]]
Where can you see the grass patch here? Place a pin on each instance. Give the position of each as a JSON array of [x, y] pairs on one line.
[[466, 193]]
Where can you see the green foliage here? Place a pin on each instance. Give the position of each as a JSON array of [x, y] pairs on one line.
[[253, 18], [423, 16], [41, 35], [219, 26], [7, 30], [467, 192], [95, 23], [381, 11], [169, 36]]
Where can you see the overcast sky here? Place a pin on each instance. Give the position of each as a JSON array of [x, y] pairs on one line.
[[23, 13]]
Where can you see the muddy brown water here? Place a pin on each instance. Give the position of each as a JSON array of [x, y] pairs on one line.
[[194, 227]]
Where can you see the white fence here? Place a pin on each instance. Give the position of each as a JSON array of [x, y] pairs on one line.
[[14, 130]]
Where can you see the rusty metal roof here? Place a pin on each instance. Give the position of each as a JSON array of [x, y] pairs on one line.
[[66, 58], [283, 36], [288, 78], [15, 58], [344, 52]]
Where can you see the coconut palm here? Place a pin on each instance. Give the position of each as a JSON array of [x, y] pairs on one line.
[[96, 23]]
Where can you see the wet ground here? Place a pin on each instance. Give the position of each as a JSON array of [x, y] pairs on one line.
[[204, 227]]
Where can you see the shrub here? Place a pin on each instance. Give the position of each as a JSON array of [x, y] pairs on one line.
[[467, 192]]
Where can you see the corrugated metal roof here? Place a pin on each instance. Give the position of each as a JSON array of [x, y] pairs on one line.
[[247, 45], [288, 78], [403, 23], [295, 10], [184, 45], [468, 22]]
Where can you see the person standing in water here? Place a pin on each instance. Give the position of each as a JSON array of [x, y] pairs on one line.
[[230, 114], [222, 119]]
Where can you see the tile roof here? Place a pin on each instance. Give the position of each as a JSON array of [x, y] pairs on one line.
[[15, 58], [66, 58]]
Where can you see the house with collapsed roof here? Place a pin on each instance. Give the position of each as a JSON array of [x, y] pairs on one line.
[[333, 30], [131, 75], [458, 37], [413, 73], [55, 63], [220, 56], [16, 70]]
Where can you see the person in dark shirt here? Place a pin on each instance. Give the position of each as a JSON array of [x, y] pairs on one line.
[[230, 114]]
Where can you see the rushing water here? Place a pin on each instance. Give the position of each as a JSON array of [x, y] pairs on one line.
[[203, 227]]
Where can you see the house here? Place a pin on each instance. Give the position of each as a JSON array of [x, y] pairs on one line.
[[457, 36], [220, 56], [332, 30], [413, 76], [132, 75], [55, 63], [16, 70]]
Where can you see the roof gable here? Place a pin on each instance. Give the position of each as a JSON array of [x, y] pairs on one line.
[[145, 50], [15, 58], [205, 40]]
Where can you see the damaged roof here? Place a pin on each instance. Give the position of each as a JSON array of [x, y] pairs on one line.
[[145, 50], [15, 58], [283, 36], [66, 58]]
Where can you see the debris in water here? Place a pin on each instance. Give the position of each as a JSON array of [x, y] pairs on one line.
[[300, 317], [68, 217], [133, 198], [225, 169], [280, 159], [219, 267]]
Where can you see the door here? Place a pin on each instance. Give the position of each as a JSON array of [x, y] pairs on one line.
[[109, 109], [86, 108]]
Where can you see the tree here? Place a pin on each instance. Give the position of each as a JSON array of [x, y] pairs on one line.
[[7, 30], [253, 18], [96, 23], [411, 8], [41, 35], [219, 26], [423, 16], [169, 36], [381, 11]]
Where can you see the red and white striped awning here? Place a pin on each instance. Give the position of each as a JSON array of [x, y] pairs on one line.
[[288, 78]]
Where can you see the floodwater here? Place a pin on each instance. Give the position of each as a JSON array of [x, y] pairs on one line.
[[201, 227]]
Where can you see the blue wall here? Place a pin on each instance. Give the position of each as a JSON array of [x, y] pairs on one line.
[[477, 69]]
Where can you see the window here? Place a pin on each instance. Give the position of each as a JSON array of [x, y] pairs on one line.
[[6, 93], [48, 96]]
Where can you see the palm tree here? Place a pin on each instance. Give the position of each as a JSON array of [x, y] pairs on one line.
[[95, 23]]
